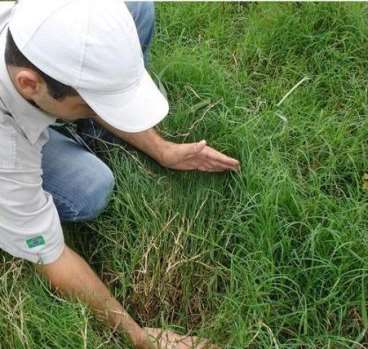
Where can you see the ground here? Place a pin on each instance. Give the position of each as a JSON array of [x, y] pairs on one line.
[[273, 257]]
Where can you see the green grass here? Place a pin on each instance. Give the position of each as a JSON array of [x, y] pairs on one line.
[[273, 257]]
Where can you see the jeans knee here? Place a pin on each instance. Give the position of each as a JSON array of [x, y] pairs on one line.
[[98, 194]]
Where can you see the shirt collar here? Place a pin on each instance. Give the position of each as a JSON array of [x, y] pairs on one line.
[[32, 121]]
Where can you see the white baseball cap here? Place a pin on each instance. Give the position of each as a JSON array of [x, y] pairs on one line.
[[92, 46]]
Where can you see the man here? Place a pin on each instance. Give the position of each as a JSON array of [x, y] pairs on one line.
[[73, 60]]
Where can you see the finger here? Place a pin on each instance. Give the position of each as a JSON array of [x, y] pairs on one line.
[[220, 165], [230, 162], [209, 169], [225, 166], [215, 165], [215, 155], [214, 168]]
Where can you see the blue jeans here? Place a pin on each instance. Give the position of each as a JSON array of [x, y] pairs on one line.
[[80, 183]]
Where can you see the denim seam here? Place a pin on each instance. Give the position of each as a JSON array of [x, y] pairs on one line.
[[67, 203]]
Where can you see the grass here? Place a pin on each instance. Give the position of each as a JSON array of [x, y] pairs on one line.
[[273, 257]]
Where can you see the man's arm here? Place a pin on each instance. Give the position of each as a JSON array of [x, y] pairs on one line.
[[70, 275], [190, 156]]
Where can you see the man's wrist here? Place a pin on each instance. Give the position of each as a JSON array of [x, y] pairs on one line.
[[143, 341], [164, 152]]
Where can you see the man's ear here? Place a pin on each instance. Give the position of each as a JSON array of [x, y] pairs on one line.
[[28, 83]]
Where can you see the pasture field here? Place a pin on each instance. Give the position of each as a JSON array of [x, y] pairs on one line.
[[275, 256]]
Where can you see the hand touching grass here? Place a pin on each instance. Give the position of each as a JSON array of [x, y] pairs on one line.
[[197, 156], [170, 340], [191, 156]]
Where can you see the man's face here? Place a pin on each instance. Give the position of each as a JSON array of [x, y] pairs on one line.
[[70, 108], [34, 89]]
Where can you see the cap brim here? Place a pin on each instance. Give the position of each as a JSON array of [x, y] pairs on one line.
[[135, 110]]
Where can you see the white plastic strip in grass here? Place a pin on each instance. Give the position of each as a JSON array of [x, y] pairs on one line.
[[292, 90]]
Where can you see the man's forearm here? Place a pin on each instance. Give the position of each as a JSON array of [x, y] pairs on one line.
[[149, 141], [72, 276], [187, 156]]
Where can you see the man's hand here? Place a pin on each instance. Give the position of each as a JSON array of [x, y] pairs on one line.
[[170, 340], [191, 156], [196, 156]]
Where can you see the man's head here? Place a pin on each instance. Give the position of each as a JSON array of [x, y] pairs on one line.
[[40, 89], [93, 47]]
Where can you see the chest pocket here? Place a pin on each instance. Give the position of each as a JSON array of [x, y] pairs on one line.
[[7, 148]]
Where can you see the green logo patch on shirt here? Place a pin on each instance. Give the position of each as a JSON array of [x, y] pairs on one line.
[[35, 242]]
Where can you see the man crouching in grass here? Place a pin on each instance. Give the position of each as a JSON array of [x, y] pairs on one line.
[[72, 60]]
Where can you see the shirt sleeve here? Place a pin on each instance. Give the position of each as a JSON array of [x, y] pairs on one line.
[[29, 222]]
